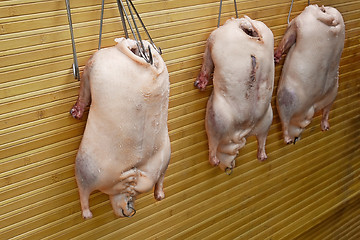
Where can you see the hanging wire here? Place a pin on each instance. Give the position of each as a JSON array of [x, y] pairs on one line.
[[135, 33], [292, 2], [146, 31], [288, 18], [121, 10], [142, 50], [101, 22], [124, 18], [236, 12], [137, 38], [219, 13], [75, 65]]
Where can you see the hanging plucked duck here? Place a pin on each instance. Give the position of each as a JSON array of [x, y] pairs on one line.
[[125, 149]]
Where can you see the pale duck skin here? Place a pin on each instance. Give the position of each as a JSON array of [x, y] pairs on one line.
[[240, 56], [309, 79], [125, 149]]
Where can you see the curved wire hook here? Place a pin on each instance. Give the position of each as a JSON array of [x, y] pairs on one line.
[[132, 25], [229, 170], [146, 31], [236, 12], [133, 212], [292, 2], [129, 207], [219, 13], [288, 18], [101, 22], [76, 71]]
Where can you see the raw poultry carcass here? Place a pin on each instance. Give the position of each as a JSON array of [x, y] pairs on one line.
[[309, 79], [240, 56], [125, 149]]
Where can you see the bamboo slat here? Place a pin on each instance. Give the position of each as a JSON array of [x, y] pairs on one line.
[[310, 190]]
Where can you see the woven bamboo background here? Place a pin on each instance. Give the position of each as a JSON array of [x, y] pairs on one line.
[[310, 190]]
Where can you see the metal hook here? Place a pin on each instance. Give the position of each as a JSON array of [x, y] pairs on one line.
[[236, 12], [139, 43], [292, 2], [122, 19], [101, 21], [150, 54], [288, 18], [146, 31], [142, 49], [129, 207], [136, 34], [133, 212], [229, 170], [75, 65], [219, 13]]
